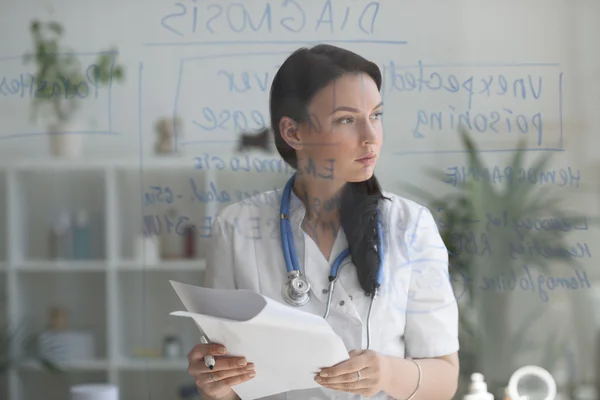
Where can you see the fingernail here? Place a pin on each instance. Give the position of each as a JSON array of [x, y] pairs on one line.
[[250, 367], [251, 374], [323, 374], [221, 350], [242, 362]]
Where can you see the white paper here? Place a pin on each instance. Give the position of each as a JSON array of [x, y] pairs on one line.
[[288, 346]]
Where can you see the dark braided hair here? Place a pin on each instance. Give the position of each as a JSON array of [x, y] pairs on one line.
[[299, 78]]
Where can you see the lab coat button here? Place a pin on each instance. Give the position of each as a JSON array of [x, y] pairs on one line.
[[325, 291], [342, 303]]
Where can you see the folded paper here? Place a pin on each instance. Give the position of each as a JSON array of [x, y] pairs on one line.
[[288, 346]]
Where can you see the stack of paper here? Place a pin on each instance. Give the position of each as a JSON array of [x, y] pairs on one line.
[[287, 346]]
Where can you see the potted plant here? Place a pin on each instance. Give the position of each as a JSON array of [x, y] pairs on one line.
[[60, 83], [19, 344], [487, 254]]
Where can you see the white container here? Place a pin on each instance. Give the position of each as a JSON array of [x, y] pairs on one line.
[[67, 345], [147, 250], [478, 389], [94, 391], [64, 143]]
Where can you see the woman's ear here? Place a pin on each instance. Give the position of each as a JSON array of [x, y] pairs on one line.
[[289, 132]]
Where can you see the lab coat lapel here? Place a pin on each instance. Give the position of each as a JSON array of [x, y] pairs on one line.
[[310, 265], [317, 269]]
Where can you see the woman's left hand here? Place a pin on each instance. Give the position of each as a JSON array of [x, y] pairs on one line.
[[344, 376]]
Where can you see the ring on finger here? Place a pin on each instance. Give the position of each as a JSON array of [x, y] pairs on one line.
[[357, 376], [212, 377]]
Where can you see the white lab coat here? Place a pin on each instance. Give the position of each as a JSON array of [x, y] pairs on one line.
[[416, 313]]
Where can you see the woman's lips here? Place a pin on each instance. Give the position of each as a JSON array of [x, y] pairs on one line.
[[369, 159]]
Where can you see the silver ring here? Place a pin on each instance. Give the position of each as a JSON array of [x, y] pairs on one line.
[[212, 377], [357, 376]]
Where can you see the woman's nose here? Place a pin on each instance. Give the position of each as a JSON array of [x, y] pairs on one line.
[[369, 133]]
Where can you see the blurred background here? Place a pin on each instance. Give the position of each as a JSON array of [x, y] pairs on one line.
[[121, 139]]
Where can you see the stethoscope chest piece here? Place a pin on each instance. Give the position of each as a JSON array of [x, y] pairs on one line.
[[296, 290]]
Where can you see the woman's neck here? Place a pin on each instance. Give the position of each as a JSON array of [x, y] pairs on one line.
[[320, 198]]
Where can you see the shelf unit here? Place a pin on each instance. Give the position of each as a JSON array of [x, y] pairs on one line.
[[122, 299]]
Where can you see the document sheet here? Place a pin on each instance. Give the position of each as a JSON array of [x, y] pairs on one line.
[[288, 346]]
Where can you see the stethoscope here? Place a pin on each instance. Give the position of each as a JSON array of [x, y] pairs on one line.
[[296, 290]]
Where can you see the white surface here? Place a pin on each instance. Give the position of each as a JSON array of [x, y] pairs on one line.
[[287, 345], [94, 392], [68, 346]]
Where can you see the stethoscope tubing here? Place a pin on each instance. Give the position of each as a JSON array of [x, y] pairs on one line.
[[293, 267]]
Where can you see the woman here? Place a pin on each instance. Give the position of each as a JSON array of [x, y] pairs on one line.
[[325, 111]]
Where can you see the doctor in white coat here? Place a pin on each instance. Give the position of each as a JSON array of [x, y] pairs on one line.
[[325, 111]]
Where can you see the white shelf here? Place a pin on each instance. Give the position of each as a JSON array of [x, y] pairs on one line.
[[106, 294], [166, 265], [153, 364], [101, 266], [62, 266], [150, 163], [129, 364], [84, 365], [125, 301]]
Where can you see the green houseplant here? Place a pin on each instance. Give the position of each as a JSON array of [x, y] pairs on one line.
[[60, 82], [19, 344], [486, 226]]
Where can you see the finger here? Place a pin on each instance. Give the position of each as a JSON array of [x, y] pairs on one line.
[[351, 377], [352, 365], [236, 380], [220, 376], [200, 350], [221, 364], [356, 388]]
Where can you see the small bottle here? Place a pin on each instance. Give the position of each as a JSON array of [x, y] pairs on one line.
[[478, 389], [82, 236], [190, 242], [61, 245], [172, 347]]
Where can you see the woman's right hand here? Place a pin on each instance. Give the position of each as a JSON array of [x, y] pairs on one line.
[[228, 371]]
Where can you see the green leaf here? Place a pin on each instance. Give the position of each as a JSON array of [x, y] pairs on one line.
[[55, 27]]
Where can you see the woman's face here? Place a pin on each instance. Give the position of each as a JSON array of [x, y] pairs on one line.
[[345, 127]]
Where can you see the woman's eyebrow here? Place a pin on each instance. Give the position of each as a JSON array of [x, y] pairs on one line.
[[352, 109], [344, 108]]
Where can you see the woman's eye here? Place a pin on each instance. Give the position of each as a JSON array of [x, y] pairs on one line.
[[377, 115], [345, 120]]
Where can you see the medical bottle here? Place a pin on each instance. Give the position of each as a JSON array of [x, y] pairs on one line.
[[478, 389], [82, 236], [60, 238]]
